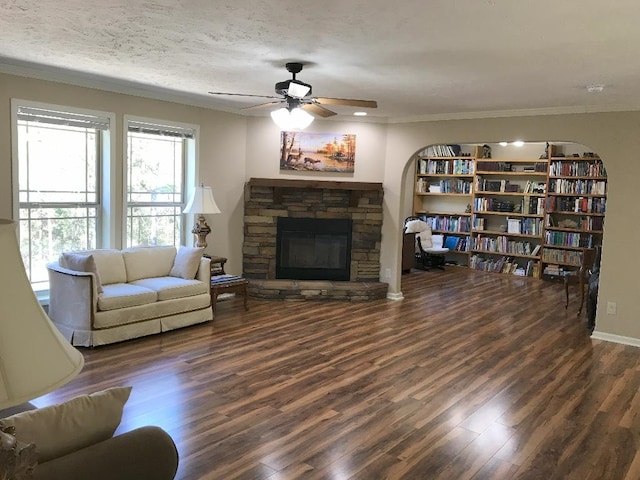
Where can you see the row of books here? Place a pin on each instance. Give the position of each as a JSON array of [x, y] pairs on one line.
[[441, 151], [569, 239], [577, 204], [456, 244], [524, 225], [577, 169], [580, 223], [449, 167], [532, 205], [505, 265], [483, 185], [450, 185], [487, 204], [579, 187], [447, 223], [553, 255], [503, 244]]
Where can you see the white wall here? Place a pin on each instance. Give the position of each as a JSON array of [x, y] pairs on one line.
[[263, 151]]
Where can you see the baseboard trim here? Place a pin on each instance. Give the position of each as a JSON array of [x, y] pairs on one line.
[[610, 337], [395, 296]]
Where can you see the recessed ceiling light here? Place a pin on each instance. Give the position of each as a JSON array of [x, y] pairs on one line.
[[518, 143], [503, 144], [359, 114], [595, 88]]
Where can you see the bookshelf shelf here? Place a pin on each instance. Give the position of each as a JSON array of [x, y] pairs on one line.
[[448, 194], [507, 214], [511, 174], [509, 234], [506, 254], [516, 194]]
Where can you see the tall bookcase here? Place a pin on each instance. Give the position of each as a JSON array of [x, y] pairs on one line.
[[443, 193], [523, 216], [575, 211], [508, 212]]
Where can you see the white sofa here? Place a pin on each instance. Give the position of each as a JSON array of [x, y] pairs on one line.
[[99, 297]]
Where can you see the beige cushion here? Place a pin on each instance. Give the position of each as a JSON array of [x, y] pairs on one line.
[[415, 226], [83, 263], [122, 295], [109, 263], [169, 288], [186, 263], [425, 238], [64, 428], [148, 262]]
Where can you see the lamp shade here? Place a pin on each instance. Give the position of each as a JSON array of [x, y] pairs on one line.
[[34, 356], [202, 201], [294, 119]]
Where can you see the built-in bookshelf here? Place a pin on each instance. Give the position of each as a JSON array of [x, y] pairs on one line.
[[512, 215], [508, 213], [574, 211], [443, 193]]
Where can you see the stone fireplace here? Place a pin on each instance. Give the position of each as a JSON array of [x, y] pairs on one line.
[[331, 229]]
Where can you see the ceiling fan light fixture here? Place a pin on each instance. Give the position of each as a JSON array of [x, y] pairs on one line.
[[294, 119], [298, 90]]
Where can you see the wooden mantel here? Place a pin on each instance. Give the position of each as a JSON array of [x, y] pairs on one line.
[[280, 183]]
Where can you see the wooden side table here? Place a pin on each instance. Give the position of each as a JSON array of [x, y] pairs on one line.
[[228, 284]]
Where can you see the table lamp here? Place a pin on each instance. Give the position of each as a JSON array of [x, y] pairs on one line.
[[34, 357], [201, 202]]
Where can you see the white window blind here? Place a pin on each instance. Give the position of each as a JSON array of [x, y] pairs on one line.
[[164, 130], [41, 115]]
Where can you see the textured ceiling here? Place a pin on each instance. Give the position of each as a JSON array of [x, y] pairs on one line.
[[417, 58]]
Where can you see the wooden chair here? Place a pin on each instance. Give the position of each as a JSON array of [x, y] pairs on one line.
[[580, 276]]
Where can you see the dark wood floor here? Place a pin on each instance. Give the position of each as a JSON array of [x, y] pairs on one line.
[[471, 376]]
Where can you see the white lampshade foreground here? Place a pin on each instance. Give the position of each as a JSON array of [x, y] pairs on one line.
[[295, 119], [35, 358], [201, 201]]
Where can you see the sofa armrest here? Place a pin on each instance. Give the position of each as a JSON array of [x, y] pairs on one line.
[[73, 296], [144, 453], [204, 270]]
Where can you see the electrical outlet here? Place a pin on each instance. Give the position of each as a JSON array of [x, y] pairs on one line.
[[611, 308], [387, 273]]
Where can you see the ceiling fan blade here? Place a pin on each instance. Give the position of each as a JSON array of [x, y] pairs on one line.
[[318, 110], [262, 105], [348, 102], [243, 95]]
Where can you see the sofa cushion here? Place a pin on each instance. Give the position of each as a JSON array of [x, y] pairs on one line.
[[186, 263], [83, 263], [64, 428], [168, 288], [121, 295], [148, 262], [109, 263]]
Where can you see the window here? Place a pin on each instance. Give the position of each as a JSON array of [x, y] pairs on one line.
[[157, 157], [58, 164]]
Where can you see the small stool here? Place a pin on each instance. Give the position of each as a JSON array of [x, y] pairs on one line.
[[228, 284]]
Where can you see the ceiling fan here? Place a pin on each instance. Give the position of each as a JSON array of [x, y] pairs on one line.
[[296, 94]]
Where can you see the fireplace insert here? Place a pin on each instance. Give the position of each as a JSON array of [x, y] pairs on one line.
[[313, 249]]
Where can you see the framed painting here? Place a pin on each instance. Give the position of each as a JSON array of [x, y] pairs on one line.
[[318, 152]]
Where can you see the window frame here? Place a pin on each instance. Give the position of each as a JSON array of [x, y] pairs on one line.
[[105, 168], [190, 165]]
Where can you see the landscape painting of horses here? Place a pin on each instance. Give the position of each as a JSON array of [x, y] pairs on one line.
[[318, 152]]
